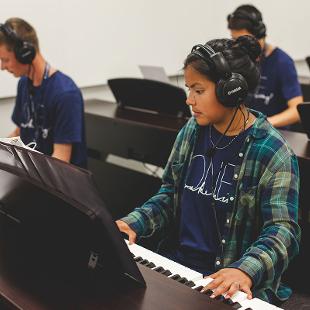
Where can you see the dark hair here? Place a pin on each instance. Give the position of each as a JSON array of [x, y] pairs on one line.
[[247, 17], [23, 30], [240, 54]]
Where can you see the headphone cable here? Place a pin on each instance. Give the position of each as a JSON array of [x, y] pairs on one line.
[[227, 128], [213, 202]]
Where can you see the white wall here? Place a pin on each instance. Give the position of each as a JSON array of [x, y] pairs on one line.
[[102, 92], [99, 39]]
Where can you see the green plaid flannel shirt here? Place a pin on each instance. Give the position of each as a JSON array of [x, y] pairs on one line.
[[261, 232]]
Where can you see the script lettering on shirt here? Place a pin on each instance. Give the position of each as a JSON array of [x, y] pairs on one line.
[[264, 97], [207, 174], [261, 92], [29, 124]]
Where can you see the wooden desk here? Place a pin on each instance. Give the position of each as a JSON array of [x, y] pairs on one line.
[[305, 88], [99, 112], [160, 293], [299, 143], [301, 146], [298, 270], [130, 134]]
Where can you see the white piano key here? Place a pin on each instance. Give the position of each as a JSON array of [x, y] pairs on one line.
[[202, 282], [196, 277], [257, 304], [239, 297], [158, 260]]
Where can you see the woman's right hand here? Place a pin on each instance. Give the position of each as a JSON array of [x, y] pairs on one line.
[[124, 227]]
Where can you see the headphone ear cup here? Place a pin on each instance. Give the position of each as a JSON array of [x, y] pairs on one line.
[[25, 52], [232, 91]]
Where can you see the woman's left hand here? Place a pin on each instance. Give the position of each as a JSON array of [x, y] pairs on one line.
[[229, 280]]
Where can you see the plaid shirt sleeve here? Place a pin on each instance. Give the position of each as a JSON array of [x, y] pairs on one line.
[[157, 212], [154, 214], [268, 257]]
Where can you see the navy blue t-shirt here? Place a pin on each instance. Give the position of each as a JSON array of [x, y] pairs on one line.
[[278, 84], [55, 114], [199, 238]]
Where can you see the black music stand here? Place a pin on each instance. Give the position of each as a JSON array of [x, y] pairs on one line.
[[308, 61], [304, 114], [54, 226], [150, 95]]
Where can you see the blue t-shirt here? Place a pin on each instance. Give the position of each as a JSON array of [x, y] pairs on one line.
[[199, 238], [278, 84], [52, 113]]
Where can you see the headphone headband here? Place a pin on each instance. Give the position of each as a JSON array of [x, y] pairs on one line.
[[207, 53], [259, 28], [6, 31]]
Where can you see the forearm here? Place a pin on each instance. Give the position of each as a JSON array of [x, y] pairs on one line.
[[288, 117], [62, 152], [14, 133]]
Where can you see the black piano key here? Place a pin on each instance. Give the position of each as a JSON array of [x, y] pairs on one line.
[[220, 297], [228, 301], [198, 288], [182, 280], [176, 277], [236, 305], [189, 283], [167, 273], [150, 265], [208, 292], [144, 262], [159, 269], [138, 258]]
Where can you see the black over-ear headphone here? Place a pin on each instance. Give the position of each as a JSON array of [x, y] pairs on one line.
[[24, 51], [259, 28], [231, 88]]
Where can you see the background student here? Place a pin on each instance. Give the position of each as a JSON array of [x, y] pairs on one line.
[[278, 92], [228, 203], [49, 108]]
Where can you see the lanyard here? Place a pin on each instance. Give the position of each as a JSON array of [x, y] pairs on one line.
[[37, 111]]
